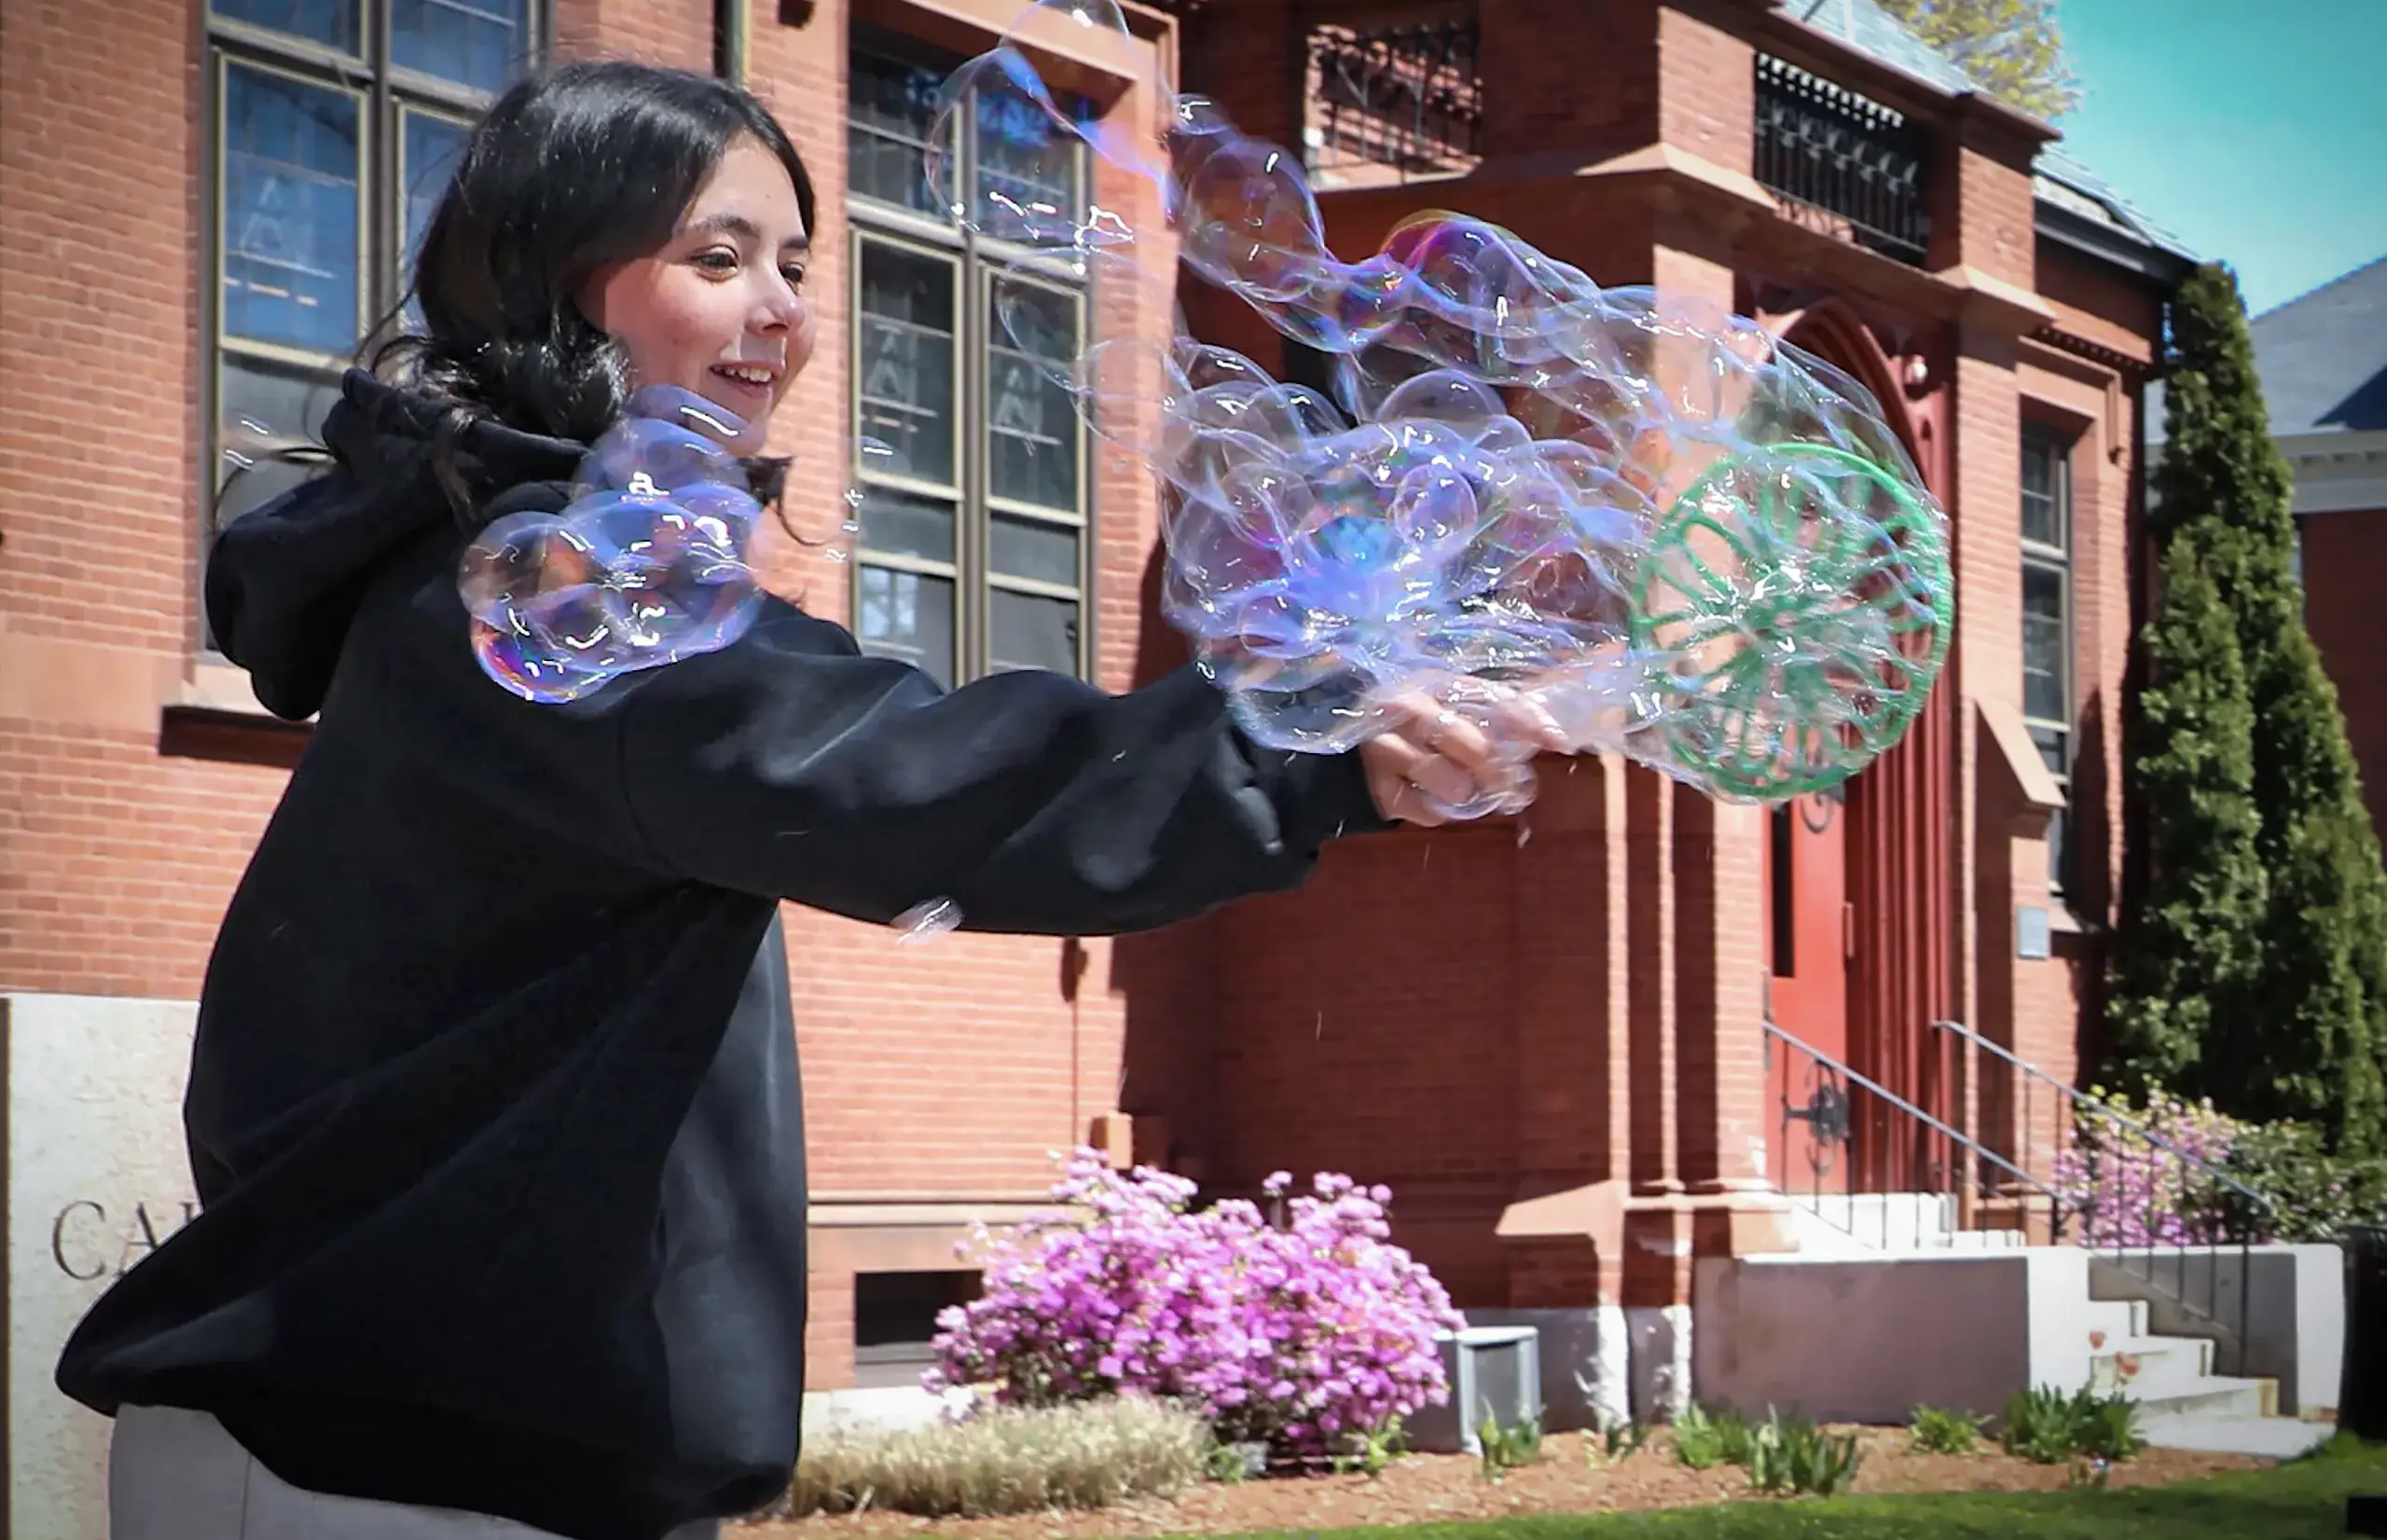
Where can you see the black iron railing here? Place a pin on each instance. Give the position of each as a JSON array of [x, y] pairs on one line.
[[1408, 98], [1939, 1178], [1822, 147], [1863, 1158], [2129, 1193]]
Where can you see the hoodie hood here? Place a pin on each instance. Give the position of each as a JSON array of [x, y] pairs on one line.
[[283, 581]]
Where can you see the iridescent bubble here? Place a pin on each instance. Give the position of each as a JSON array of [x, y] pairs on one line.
[[1682, 538], [647, 565], [927, 921]]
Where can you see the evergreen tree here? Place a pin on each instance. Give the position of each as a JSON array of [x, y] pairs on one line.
[[2191, 950], [2308, 1038], [2011, 47]]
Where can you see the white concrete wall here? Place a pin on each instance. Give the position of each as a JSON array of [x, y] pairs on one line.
[[1868, 1342], [97, 1177]]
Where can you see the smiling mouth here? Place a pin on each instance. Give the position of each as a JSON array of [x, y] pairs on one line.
[[758, 375]]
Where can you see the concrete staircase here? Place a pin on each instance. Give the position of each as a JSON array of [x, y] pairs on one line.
[[1862, 1225], [2167, 1376], [2182, 1401]]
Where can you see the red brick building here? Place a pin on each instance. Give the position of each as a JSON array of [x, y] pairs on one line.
[[1548, 1037]]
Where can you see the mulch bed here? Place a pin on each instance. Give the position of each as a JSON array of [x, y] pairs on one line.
[[1445, 1487]]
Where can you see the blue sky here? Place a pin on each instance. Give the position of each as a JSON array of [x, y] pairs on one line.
[[2254, 129]]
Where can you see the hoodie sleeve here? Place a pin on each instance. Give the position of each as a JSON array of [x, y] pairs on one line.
[[791, 765]]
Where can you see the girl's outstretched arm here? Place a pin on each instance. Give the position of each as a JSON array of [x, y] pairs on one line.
[[791, 765]]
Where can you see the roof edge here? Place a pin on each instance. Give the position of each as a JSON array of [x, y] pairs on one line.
[[2116, 248]]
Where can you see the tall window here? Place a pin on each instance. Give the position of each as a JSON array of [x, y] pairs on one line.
[[337, 123], [2047, 706], [973, 552]]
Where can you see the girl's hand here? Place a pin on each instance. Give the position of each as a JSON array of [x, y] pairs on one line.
[[1431, 757]]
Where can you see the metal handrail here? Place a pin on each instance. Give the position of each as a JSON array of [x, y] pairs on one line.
[[2081, 1098], [2234, 1341], [1854, 1077]]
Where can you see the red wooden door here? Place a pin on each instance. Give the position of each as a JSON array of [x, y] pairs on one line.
[[1811, 936]]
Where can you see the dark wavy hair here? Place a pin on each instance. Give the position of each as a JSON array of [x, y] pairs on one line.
[[577, 168]]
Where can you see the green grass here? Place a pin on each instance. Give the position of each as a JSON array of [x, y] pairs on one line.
[[2304, 1500]]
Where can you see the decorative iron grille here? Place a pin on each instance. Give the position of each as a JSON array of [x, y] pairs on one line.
[[1826, 148], [1408, 98]]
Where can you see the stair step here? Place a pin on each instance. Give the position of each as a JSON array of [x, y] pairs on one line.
[[1986, 1240], [2211, 1395], [2149, 1365], [2269, 1437], [2114, 1320]]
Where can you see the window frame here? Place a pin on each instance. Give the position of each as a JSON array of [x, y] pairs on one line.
[[387, 93], [2056, 558], [980, 263]]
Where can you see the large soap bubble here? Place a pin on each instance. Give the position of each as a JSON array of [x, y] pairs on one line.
[[1684, 538], [647, 565]]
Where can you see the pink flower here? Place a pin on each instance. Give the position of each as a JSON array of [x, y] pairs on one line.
[[1305, 1336]]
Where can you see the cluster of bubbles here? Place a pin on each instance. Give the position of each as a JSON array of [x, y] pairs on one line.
[[1679, 537], [1673, 534], [646, 564]]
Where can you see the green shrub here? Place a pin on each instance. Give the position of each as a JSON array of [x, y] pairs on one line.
[[1615, 1443], [1004, 1460], [1791, 1455], [1229, 1464], [1704, 1439], [1937, 1431], [1378, 1449], [2109, 1427], [2050, 1427], [1508, 1449], [2306, 1193]]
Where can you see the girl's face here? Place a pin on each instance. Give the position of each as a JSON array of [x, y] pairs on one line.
[[717, 311]]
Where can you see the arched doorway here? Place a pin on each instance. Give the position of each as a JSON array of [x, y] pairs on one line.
[[1860, 944]]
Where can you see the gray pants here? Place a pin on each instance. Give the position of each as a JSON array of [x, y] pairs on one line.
[[175, 1475]]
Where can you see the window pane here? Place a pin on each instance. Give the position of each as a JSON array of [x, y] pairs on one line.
[[2050, 743], [904, 524], [1030, 631], [1032, 421], [478, 43], [2043, 645], [891, 109], [1023, 156], [1033, 549], [2038, 466], [2040, 526], [260, 402], [290, 210], [2059, 849], [430, 147], [909, 616], [908, 356], [2043, 512], [333, 22]]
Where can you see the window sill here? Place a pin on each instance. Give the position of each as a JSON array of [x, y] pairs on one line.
[[212, 713], [219, 688], [2061, 920]]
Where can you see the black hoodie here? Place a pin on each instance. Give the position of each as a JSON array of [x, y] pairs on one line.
[[493, 1107]]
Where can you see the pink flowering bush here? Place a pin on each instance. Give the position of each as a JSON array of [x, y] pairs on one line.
[[2130, 1191], [2249, 1182], [1307, 1336]]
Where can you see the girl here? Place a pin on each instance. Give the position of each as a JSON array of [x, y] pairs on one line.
[[494, 1109]]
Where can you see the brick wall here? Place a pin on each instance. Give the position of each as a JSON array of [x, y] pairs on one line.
[[2343, 553], [115, 861]]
